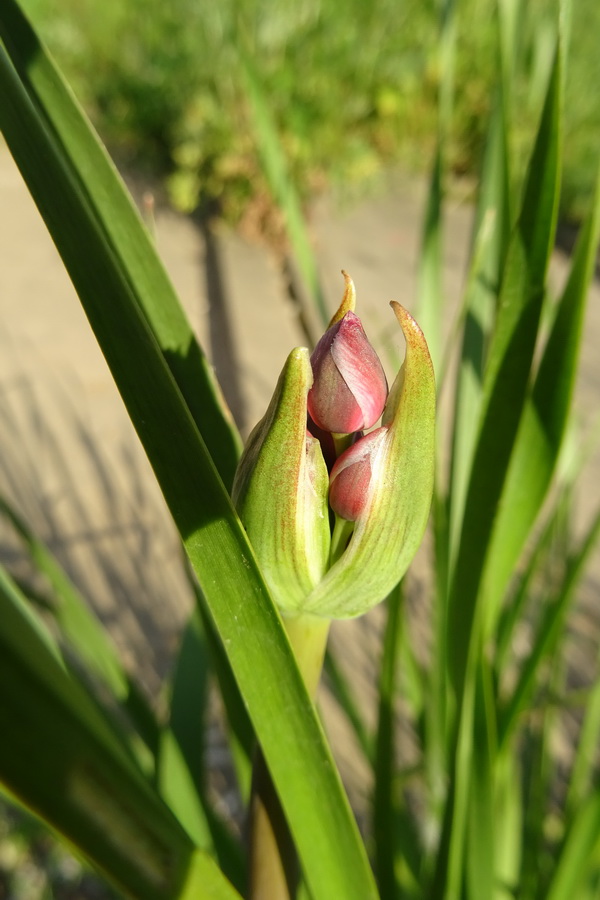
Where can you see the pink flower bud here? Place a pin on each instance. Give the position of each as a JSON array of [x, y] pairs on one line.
[[351, 476], [349, 388]]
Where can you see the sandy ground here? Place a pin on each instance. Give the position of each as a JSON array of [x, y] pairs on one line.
[[69, 457]]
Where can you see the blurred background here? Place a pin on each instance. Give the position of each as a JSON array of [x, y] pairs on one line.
[[353, 89], [354, 92]]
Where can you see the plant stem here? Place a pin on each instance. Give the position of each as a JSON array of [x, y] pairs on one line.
[[339, 539], [308, 637], [273, 865], [341, 442]]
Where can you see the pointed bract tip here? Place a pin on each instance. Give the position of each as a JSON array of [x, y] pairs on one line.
[[407, 323], [348, 303]]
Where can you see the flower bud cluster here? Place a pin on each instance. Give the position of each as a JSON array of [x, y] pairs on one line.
[[312, 462], [347, 396]]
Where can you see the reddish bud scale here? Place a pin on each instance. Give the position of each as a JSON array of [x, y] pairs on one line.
[[349, 388], [350, 478]]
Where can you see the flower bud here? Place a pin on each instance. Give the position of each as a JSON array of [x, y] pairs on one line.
[[349, 389], [352, 474], [388, 490], [382, 483]]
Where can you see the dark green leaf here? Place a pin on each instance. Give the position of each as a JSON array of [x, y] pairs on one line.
[[84, 633], [550, 629], [284, 719], [541, 431], [120, 226], [59, 757], [507, 374]]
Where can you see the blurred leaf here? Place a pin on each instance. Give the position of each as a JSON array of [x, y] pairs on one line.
[[583, 769], [183, 779], [177, 788], [508, 824], [189, 697], [84, 633], [204, 880], [538, 771], [515, 610], [279, 178], [580, 846], [291, 737], [58, 757], [550, 629], [181, 749], [342, 691], [507, 375], [429, 292], [117, 221], [490, 240], [241, 732], [387, 841], [91, 643], [480, 846], [542, 427]]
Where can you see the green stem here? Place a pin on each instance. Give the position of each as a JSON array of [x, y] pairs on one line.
[[308, 637], [341, 442], [339, 539], [273, 865]]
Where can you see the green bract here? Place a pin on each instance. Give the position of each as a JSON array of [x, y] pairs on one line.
[[281, 490]]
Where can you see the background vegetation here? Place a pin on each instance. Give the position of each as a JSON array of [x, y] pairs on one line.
[[353, 88]]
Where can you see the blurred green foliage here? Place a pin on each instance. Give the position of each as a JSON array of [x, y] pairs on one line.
[[353, 88], [34, 866]]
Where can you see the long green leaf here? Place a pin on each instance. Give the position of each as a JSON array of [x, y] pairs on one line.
[[182, 774], [189, 697], [179, 748], [122, 230], [507, 374], [480, 845], [59, 757], [490, 240], [242, 739], [508, 822], [542, 427], [284, 719], [537, 780], [429, 292], [514, 611]]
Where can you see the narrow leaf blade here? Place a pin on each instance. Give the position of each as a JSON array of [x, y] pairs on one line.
[[284, 719], [122, 229], [58, 756], [507, 373]]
